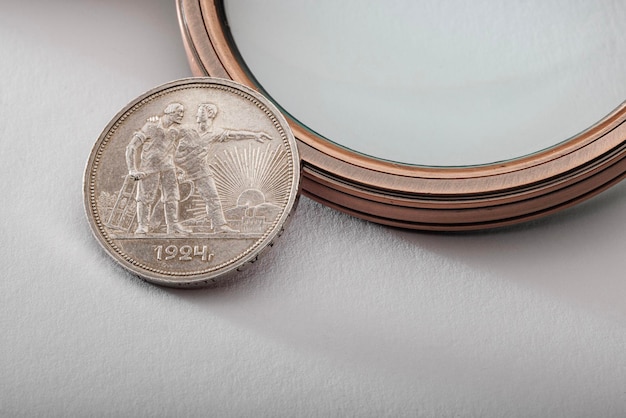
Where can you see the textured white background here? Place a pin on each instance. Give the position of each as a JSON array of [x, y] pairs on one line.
[[341, 318]]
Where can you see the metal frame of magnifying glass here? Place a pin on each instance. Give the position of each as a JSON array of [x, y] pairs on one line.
[[422, 197]]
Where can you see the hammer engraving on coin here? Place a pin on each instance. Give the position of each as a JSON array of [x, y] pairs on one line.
[[192, 181]]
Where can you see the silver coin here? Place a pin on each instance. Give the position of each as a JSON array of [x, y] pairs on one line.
[[192, 181]]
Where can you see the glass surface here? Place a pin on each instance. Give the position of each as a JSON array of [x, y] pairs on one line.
[[442, 83]]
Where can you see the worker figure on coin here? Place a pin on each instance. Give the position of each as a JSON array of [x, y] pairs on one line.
[[149, 157], [192, 155]]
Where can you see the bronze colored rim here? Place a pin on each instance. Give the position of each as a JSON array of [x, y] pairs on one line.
[[419, 197]]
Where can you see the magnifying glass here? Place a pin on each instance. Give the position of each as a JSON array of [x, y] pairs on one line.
[[452, 116]]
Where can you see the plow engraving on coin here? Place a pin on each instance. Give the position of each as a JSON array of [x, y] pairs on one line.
[[192, 181]]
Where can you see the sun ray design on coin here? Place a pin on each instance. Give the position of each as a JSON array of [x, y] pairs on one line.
[[253, 184], [240, 170]]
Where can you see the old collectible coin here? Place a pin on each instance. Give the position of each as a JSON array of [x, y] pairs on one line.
[[191, 181]]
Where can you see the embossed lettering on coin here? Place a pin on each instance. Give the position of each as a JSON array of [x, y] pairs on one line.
[[192, 181]]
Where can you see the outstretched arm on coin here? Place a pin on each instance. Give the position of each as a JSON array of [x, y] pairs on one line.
[[131, 156], [229, 135]]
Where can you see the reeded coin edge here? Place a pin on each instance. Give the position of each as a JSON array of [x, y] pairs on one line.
[[200, 276]]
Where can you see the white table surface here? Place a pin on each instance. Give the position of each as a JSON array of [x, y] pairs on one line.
[[341, 318]]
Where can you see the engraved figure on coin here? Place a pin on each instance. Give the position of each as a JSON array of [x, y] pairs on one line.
[[150, 162], [193, 155]]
